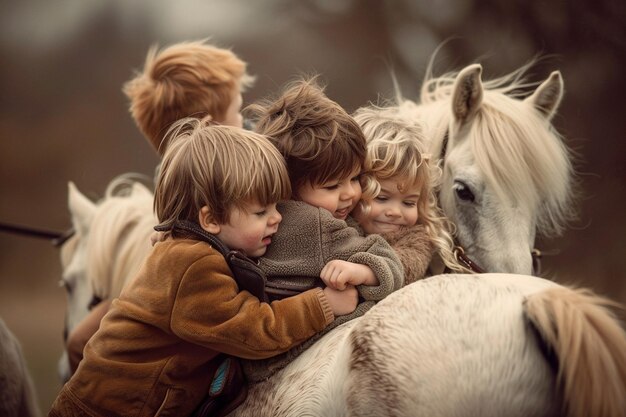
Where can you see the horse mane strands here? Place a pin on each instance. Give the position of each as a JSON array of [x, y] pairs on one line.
[[534, 165], [126, 219], [590, 346]]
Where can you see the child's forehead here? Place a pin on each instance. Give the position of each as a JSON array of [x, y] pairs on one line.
[[401, 185], [252, 203]]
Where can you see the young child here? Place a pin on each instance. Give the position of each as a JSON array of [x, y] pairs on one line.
[[324, 149], [187, 79], [159, 345], [398, 200]]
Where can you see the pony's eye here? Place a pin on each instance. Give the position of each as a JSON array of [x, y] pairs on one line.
[[463, 192]]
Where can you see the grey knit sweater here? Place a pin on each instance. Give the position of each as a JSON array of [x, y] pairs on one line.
[[307, 239]]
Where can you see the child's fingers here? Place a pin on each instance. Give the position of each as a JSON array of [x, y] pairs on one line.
[[332, 276], [327, 275], [338, 281], [326, 272]]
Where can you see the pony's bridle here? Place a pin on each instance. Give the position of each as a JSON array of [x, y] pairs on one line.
[[459, 252]]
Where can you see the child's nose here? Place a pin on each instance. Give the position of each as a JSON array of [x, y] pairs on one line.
[[392, 211], [349, 191], [275, 218]]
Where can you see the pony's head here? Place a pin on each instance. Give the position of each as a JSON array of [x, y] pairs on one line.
[[111, 240], [507, 174]]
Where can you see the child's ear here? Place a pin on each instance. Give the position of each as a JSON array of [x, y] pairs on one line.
[[206, 221]]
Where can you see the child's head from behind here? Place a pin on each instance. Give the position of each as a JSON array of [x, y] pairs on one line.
[[226, 179], [188, 79], [322, 144], [397, 179]]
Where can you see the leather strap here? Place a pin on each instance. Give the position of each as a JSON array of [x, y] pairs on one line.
[[246, 272], [466, 261]]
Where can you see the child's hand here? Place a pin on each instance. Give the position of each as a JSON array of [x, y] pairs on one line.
[[342, 302], [157, 237], [337, 274]]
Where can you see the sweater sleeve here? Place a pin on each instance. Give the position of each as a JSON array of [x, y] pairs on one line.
[[339, 241], [414, 249], [209, 310]]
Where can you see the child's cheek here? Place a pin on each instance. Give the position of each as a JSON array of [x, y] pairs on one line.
[[252, 239]]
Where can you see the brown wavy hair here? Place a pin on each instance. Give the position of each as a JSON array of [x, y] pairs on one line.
[[319, 140]]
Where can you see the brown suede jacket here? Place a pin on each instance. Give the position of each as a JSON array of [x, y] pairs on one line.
[[156, 349]]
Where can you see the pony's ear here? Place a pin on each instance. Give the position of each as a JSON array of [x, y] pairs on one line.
[[467, 93], [81, 208], [548, 95]]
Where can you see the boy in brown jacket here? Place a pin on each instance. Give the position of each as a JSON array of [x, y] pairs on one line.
[[186, 79], [159, 345]]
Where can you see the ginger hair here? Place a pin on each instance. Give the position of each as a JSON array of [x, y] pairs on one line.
[[187, 79]]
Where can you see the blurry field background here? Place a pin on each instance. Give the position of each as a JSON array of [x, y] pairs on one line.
[[63, 116]]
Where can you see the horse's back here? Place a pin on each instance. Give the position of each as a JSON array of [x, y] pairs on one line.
[[17, 393], [461, 345], [453, 345]]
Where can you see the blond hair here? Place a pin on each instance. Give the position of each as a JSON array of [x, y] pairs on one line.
[[319, 140], [395, 150], [187, 79], [221, 167]]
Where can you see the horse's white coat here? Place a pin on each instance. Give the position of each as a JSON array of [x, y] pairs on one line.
[[453, 346], [110, 242], [504, 152]]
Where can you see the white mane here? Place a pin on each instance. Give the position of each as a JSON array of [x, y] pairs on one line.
[[532, 168], [119, 236]]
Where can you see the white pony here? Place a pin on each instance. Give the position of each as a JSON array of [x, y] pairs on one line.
[[450, 345], [110, 241], [17, 392], [507, 174]]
